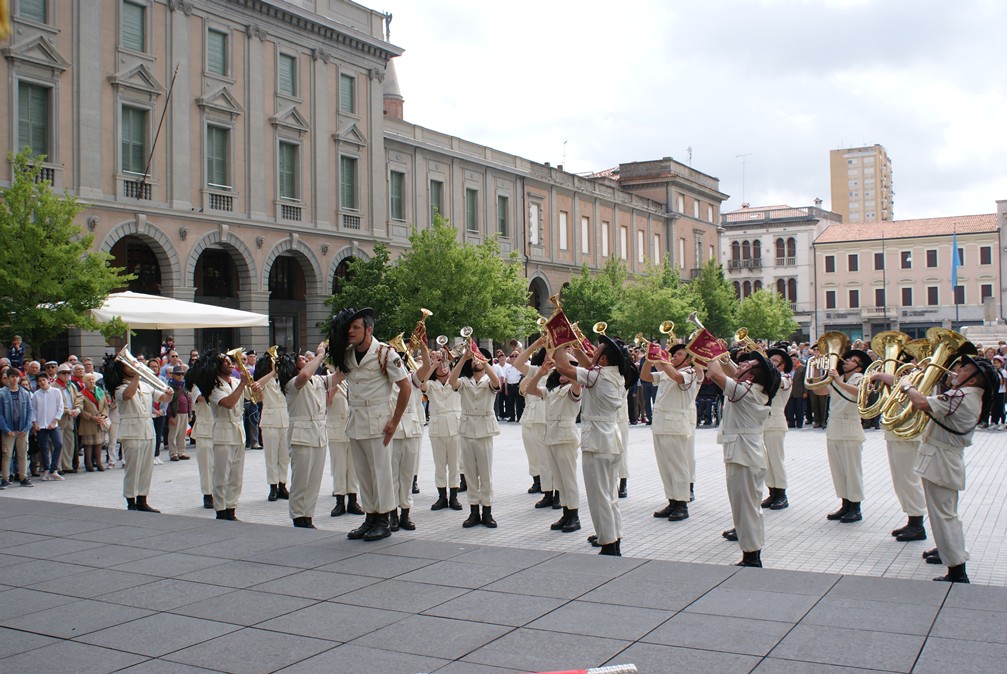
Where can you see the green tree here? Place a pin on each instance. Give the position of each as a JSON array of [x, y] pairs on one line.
[[719, 310], [657, 295], [595, 296], [370, 283], [50, 279], [767, 316]]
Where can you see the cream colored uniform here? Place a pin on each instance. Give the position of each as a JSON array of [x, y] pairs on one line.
[[741, 431], [562, 442], [623, 421], [533, 430], [908, 488], [344, 478], [775, 433], [370, 384], [844, 438], [406, 443], [673, 429], [603, 395], [136, 434], [228, 446], [274, 425], [478, 426], [306, 407], [940, 462], [202, 433], [445, 420]]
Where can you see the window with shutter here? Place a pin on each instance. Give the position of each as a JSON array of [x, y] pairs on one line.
[[33, 9], [33, 118], [288, 171], [347, 94], [348, 183], [216, 52], [134, 140], [287, 75], [216, 156], [133, 27]]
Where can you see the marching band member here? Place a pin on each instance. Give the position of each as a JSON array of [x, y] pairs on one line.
[[605, 378], [344, 478], [478, 385], [775, 432], [562, 405], [305, 398], [672, 424], [844, 436], [748, 392], [202, 434], [445, 405], [533, 424], [371, 370], [274, 425], [406, 443]]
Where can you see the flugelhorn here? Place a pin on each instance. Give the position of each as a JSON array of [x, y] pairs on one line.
[[237, 356], [831, 347], [273, 352], [890, 343], [419, 334], [142, 371]]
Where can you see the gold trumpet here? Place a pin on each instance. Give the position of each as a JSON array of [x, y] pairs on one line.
[[890, 343], [600, 327], [747, 343], [237, 356], [667, 328], [142, 371], [274, 352], [399, 344], [419, 334], [831, 347]]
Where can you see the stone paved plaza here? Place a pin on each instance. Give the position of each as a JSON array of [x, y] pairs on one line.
[[89, 587]]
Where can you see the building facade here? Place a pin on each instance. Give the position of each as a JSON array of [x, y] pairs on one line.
[[241, 152], [861, 182]]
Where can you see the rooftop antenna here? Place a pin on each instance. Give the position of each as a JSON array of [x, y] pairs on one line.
[[564, 152], [689, 150], [388, 26], [744, 160]]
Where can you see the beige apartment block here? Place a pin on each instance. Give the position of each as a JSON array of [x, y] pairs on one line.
[[240, 152], [879, 276], [861, 183]]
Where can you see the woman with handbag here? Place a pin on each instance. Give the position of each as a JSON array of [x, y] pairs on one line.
[[93, 424]]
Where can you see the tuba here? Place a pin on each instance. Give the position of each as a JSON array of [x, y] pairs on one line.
[[889, 343], [831, 347], [898, 415], [237, 356], [142, 371]]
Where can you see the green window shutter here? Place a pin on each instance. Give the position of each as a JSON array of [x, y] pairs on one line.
[[288, 171], [502, 208], [33, 118], [216, 155], [396, 188], [134, 140], [471, 214], [347, 94], [348, 183], [216, 52], [288, 75], [133, 20], [436, 198], [32, 9]]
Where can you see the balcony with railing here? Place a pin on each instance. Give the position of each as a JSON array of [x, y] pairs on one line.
[[786, 262], [351, 221], [288, 210], [218, 198], [747, 263], [136, 186]]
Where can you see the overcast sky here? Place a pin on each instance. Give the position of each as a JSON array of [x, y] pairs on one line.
[[591, 83]]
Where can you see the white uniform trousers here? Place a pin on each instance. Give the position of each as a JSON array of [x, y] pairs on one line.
[[65, 426], [776, 471], [372, 461], [307, 464], [204, 462], [846, 464], [942, 507], [446, 453], [562, 460], [113, 439], [673, 464], [477, 464], [404, 453], [624, 457], [533, 436], [908, 488], [692, 460], [176, 435], [139, 458], [277, 454], [344, 476], [228, 475], [601, 477], [744, 490]]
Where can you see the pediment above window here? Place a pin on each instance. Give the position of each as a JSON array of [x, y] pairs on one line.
[[38, 51], [138, 79], [290, 118], [221, 100], [350, 134]]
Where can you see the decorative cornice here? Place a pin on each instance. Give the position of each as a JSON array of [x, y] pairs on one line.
[[253, 30], [183, 5]]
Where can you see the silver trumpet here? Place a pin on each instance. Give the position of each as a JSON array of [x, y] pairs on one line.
[[142, 371]]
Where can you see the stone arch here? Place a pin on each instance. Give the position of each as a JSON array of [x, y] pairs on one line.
[[312, 270], [248, 275], [540, 289], [342, 254], [164, 250]]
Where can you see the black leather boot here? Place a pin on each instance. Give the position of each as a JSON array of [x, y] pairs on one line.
[[853, 514], [141, 504], [623, 490], [358, 533], [913, 531], [281, 491], [300, 522], [352, 507], [781, 501], [593, 540], [572, 521], [664, 512], [207, 501], [442, 499], [130, 503], [405, 522], [556, 503], [462, 485], [416, 484], [488, 520], [379, 529], [768, 501], [692, 492], [340, 508], [681, 512], [393, 520], [618, 547], [751, 559], [932, 556], [561, 522], [896, 532], [308, 524], [221, 514], [610, 549], [546, 501], [453, 499], [536, 485], [838, 515], [730, 534], [272, 493], [231, 515], [956, 574], [474, 518]]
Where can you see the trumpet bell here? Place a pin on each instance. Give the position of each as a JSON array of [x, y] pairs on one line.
[[142, 371], [831, 346], [442, 340], [426, 313], [466, 332], [667, 328], [600, 327]]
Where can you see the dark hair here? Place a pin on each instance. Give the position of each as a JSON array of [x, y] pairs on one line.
[[263, 366], [538, 358], [552, 381], [286, 369]]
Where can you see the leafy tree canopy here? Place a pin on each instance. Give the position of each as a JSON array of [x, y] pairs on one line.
[[50, 279], [767, 315], [719, 304], [595, 296], [653, 297]]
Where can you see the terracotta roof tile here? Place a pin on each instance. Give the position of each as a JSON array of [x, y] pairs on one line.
[[908, 229]]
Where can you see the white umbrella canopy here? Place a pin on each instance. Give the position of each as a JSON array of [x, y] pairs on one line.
[[152, 312]]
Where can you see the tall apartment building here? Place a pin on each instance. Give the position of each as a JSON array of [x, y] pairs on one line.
[[861, 181]]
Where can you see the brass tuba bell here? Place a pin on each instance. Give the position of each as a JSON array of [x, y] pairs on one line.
[[890, 343], [831, 347]]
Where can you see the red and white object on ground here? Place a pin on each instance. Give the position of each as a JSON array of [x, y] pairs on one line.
[[610, 669]]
